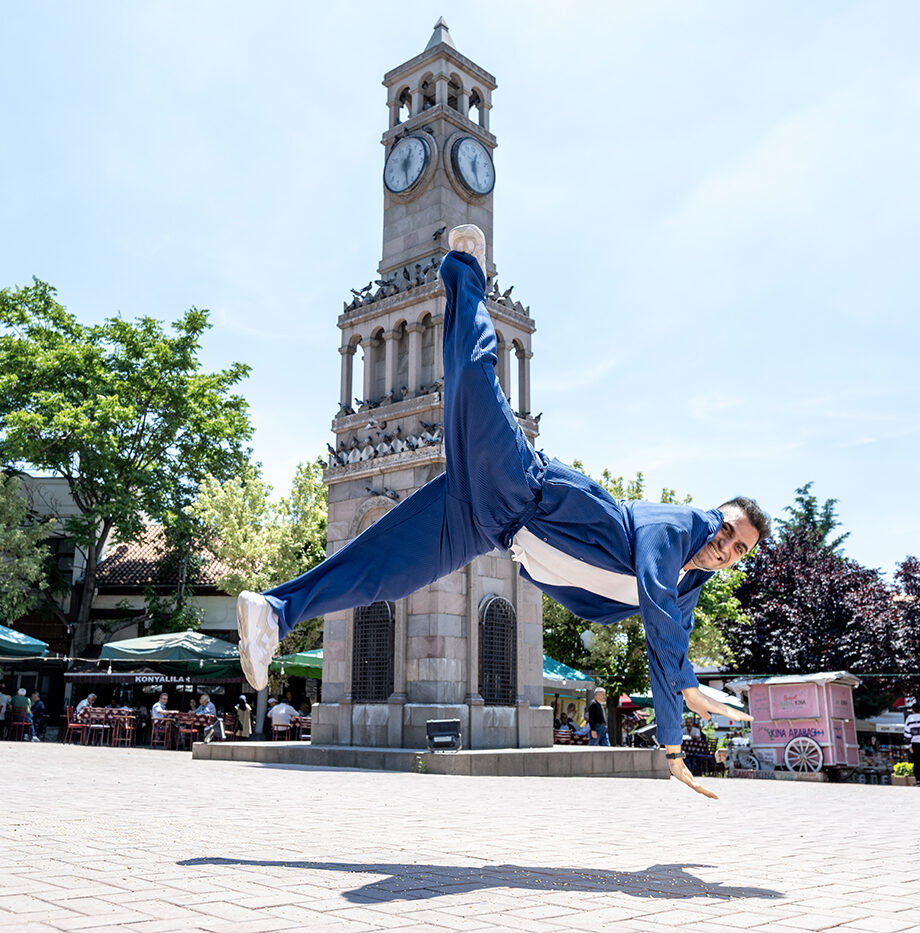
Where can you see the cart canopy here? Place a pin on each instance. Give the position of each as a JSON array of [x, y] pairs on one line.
[[741, 685], [14, 644]]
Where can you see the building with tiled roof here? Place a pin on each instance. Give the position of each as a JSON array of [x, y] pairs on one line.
[[129, 569], [141, 563]]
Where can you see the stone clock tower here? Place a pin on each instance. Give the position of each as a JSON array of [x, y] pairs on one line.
[[469, 646]]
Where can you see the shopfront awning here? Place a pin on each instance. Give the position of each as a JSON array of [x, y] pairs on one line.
[[301, 664], [14, 644]]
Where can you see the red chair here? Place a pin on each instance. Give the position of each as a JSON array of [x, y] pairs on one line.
[[161, 733], [123, 731], [188, 731], [231, 724], [20, 727], [280, 732], [97, 733], [303, 728], [74, 728]]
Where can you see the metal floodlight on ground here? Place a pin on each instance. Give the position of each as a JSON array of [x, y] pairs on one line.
[[646, 737], [443, 735]]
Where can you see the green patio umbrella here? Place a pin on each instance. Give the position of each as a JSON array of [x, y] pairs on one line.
[[301, 664], [14, 644], [177, 652]]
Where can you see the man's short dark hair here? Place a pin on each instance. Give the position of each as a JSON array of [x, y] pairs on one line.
[[755, 515]]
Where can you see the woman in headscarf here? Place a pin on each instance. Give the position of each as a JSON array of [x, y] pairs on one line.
[[244, 714]]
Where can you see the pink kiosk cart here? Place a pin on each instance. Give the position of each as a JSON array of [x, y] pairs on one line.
[[804, 722]]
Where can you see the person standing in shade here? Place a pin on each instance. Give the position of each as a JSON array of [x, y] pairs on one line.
[[912, 735], [244, 715], [4, 706], [597, 718], [38, 715]]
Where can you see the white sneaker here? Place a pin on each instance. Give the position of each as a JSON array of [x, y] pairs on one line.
[[35, 738], [257, 623], [468, 238]]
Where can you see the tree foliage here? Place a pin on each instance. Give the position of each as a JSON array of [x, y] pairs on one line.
[[812, 520], [265, 542], [23, 554], [617, 654], [120, 409]]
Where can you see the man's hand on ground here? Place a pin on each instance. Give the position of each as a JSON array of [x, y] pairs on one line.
[[701, 704]]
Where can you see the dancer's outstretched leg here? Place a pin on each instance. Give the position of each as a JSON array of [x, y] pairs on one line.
[[492, 479], [490, 463]]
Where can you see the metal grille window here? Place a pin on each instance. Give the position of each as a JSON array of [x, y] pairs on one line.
[[372, 660], [497, 652]]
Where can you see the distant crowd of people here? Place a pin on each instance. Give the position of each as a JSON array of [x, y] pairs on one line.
[[29, 712]]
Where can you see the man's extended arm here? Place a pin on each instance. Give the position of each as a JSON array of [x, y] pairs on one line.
[[659, 557]]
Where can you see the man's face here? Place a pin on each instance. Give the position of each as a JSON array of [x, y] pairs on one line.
[[164, 699], [204, 699], [734, 539]]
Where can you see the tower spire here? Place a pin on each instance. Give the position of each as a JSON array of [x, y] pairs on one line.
[[440, 34]]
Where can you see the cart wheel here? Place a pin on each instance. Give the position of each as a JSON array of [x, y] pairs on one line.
[[748, 761], [803, 754]]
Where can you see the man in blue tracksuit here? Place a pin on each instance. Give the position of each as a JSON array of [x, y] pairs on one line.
[[602, 558]]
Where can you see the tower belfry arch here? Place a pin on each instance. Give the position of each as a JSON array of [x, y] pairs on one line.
[[389, 668]]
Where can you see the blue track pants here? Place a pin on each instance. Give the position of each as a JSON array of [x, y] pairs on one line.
[[490, 488]]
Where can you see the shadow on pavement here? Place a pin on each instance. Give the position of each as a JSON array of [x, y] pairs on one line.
[[404, 881]]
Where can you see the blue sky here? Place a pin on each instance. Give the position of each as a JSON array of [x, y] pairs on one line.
[[711, 209]]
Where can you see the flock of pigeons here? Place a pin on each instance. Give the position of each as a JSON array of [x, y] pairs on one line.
[[379, 444], [422, 275]]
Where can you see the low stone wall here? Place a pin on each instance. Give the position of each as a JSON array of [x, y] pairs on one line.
[[557, 761]]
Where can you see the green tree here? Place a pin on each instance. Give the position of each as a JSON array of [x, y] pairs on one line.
[[23, 554], [264, 542], [121, 410], [809, 519]]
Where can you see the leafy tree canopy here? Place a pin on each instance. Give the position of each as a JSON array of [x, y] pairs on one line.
[[120, 409], [808, 518], [263, 541], [23, 554]]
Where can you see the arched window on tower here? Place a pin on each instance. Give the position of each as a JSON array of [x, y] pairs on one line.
[[497, 651], [405, 105], [428, 90], [426, 366], [379, 372], [372, 654], [453, 93], [475, 103], [402, 363]]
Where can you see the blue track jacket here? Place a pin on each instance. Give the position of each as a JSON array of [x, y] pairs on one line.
[[648, 540]]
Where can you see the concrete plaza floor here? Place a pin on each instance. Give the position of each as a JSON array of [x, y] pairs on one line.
[[133, 839]]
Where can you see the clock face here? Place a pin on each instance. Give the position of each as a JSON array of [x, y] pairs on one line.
[[473, 165], [406, 163]]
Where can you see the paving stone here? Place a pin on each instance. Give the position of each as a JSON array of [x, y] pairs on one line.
[[319, 849]]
